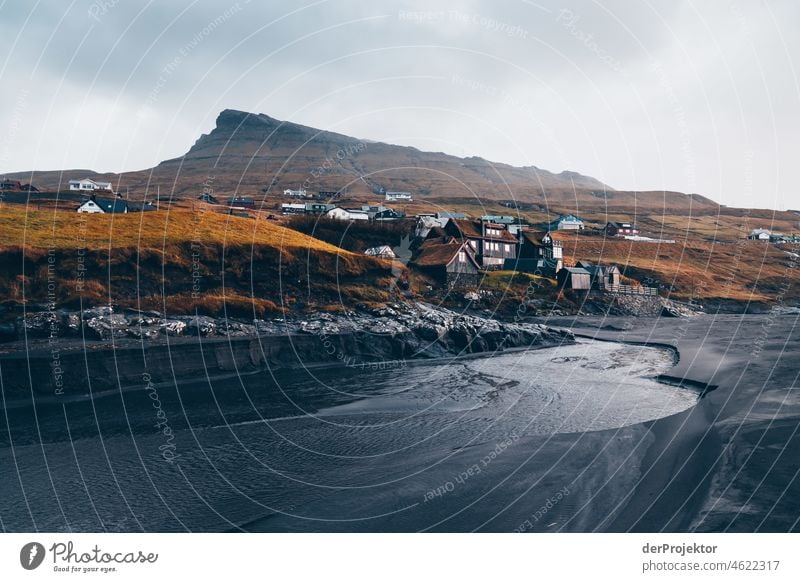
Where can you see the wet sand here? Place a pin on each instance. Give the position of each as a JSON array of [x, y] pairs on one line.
[[733, 462], [728, 463]]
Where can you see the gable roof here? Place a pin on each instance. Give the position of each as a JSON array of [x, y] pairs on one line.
[[440, 253], [114, 206], [474, 229], [534, 237]]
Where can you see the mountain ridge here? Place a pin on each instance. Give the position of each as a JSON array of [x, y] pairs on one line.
[[258, 155]]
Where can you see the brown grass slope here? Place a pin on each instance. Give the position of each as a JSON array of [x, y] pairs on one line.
[[178, 262]]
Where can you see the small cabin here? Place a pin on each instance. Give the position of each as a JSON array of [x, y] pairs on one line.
[[242, 202], [449, 261], [603, 277], [621, 229], [759, 234], [574, 278]]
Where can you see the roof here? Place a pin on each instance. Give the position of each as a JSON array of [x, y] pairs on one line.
[[95, 182], [568, 218], [114, 206], [575, 271], [534, 237], [473, 229], [384, 250], [597, 270], [140, 206], [440, 253]]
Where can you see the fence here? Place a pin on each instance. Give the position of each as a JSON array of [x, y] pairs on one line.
[[631, 290]]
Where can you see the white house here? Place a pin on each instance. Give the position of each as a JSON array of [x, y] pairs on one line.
[[295, 193], [398, 196], [347, 214], [100, 206], [567, 222], [88, 185], [759, 234], [293, 208]]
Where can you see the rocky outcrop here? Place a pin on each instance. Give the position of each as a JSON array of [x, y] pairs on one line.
[[110, 350]]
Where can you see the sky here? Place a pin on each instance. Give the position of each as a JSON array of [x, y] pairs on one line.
[[696, 97]]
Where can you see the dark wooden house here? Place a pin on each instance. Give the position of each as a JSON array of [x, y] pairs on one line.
[[491, 243], [242, 202], [539, 248], [621, 229], [449, 261]]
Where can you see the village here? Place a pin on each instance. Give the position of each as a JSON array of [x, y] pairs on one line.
[[450, 250]]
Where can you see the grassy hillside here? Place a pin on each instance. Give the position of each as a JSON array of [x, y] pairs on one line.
[[178, 262], [736, 270]]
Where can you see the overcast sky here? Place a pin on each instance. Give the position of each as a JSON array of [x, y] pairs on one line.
[[691, 96]]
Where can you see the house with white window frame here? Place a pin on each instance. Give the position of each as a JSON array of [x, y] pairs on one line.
[[89, 185]]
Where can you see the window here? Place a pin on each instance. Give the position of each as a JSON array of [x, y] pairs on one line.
[[462, 257], [508, 248]]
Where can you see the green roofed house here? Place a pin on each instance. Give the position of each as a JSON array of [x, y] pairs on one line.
[[567, 222]]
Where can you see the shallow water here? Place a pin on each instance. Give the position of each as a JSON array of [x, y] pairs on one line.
[[324, 449]]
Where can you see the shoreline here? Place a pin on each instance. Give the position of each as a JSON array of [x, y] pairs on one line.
[[423, 333]]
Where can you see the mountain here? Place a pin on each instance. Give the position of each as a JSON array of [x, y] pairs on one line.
[[250, 153]]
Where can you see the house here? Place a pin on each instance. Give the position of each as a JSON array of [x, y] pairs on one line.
[[449, 261], [89, 185], [499, 219], [10, 185], [141, 207], [445, 216], [96, 205], [206, 197], [621, 229], [290, 208], [242, 201], [295, 193], [567, 222], [540, 246], [574, 278], [542, 267], [382, 252], [398, 197], [603, 278], [492, 243], [759, 234], [347, 214], [316, 207], [382, 214], [428, 221]]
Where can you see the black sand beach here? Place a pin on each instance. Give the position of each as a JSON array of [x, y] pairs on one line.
[[517, 441]]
